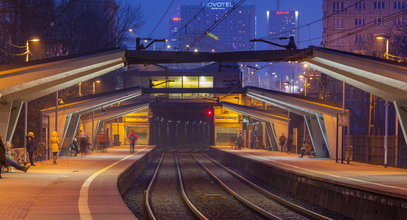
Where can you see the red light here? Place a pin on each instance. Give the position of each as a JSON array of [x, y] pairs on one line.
[[282, 12], [209, 112], [176, 19]]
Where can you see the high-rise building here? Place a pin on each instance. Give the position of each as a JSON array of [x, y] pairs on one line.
[[282, 24], [354, 25], [233, 33]]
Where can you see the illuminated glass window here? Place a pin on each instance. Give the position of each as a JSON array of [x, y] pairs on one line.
[[158, 83], [175, 82], [206, 82], [190, 81]]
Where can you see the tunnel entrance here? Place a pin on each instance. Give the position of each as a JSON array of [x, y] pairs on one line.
[[182, 125]]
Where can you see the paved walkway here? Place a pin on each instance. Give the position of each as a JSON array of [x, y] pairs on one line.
[[76, 188], [388, 181]]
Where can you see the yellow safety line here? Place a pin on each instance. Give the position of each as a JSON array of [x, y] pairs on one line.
[[84, 211]]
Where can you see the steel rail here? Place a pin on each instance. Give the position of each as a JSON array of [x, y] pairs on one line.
[[184, 195], [147, 201], [296, 208], [237, 196]]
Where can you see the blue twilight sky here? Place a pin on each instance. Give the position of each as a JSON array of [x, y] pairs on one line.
[[309, 10]]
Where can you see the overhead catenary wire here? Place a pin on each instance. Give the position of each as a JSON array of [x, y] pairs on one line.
[[358, 29], [217, 22], [314, 22], [190, 20], [161, 19]]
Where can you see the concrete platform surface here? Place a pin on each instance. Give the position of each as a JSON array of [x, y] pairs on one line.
[[388, 181], [83, 187]]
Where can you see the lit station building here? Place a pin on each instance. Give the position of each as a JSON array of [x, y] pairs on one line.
[[234, 33]]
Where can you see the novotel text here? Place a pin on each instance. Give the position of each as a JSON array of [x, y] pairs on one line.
[[218, 5]]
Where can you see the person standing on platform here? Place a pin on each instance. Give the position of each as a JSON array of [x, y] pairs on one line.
[[132, 136], [30, 147], [239, 141], [54, 146], [281, 142]]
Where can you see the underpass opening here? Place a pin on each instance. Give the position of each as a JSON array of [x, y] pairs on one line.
[[182, 125]]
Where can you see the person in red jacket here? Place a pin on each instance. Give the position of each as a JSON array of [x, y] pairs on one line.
[[132, 137]]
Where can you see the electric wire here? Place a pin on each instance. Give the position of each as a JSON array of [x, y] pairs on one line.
[[161, 19], [316, 21], [190, 20], [217, 22]]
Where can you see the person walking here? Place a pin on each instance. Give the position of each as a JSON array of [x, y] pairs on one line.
[[30, 147], [304, 146], [54, 146], [132, 136], [281, 142]]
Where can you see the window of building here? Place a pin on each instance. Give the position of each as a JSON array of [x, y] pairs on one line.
[[400, 21], [399, 5], [379, 5], [359, 38], [190, 81], [338, 23], [206, 82], [360, 5], [360, 21], [338, 6], [378, 21], [175, 82]]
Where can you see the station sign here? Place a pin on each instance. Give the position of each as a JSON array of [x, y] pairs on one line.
[[221, 5]]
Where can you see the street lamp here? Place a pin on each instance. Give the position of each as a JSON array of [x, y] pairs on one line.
[[384, 37], [27, 48], [386, 105]]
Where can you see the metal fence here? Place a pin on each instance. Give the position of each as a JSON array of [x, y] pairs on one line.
[[370, 149]]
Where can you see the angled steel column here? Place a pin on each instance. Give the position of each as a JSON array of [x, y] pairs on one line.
[[401, 109], [316, 135], [9, 112]]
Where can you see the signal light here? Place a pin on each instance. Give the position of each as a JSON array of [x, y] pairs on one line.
[[209, 112]]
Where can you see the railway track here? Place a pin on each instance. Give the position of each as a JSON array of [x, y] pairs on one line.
[[252, 195], [193, 186]]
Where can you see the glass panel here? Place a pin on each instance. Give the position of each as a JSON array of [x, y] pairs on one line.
[[158, 82], [190, 81], [226, 134], [206, 82], [175, 82]]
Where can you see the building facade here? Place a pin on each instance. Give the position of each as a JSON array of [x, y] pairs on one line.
[[233, 33], [362, 26], [282, 24]]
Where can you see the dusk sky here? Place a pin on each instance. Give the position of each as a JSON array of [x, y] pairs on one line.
[[309, 10]]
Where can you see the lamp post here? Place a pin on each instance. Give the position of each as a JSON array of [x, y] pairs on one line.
[[27, 48], [386, 104]]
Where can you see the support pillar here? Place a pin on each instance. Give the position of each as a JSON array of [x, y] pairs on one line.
[[401, 110], [316, 135], [9, 113]]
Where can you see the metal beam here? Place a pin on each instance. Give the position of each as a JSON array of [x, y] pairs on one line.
[[153, 57]]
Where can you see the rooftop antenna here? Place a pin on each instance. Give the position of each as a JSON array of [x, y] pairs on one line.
[[277, 5]]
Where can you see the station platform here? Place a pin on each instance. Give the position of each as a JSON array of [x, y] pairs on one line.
[[374, 178], [82, 187]]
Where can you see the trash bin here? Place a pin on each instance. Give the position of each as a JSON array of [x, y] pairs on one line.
[[348, 153]]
